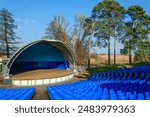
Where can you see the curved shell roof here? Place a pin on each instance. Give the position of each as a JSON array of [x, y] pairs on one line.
[[66, 50]]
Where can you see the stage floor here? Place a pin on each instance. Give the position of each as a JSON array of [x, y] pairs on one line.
[[41, 74]]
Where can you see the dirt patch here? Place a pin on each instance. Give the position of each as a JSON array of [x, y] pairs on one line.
[[41, 91]]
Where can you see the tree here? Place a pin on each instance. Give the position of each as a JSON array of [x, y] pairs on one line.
[[117, 26], [136, 30], [58, 29], [109, 15], [78, 39], [89, 27], [78, 32], [143, 54], [102, 30], [80, 50], [8, 38]]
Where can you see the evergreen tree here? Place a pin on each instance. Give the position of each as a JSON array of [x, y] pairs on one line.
[[117, 26], [136, 30], [8, 39], [109, 15], [102, 30], [142, 51]]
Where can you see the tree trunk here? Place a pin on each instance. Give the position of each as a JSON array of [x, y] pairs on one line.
[[89, 45], [109, 51], [141, 50], [89, 53], [5, 37], [115, 48], [130, 43], [130, 51]]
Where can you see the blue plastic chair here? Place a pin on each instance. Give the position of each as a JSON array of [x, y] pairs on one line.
[[140, 96]]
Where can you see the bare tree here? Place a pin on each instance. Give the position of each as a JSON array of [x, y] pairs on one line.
[[78, 39], [58, 29]]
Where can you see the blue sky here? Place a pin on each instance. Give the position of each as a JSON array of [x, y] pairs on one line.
[[33, 16]]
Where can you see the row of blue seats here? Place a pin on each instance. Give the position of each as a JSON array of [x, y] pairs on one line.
[[16, 93], [130, 74], [103, 91], [122, 84]]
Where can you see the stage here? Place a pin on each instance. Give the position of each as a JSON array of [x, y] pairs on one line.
[[41, 77], [41, 74]]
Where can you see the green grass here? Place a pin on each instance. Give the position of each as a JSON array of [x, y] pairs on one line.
[[118, 66]]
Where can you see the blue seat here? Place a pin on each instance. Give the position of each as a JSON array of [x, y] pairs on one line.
[[104, 97], [113, 97], [147, 93], [123, 97], [128, 95], [140, 96], [17, 94], [122, 84], [133, 97]]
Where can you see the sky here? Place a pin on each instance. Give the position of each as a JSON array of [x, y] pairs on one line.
[[33, 16]]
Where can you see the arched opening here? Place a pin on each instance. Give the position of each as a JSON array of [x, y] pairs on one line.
[[39, 56]]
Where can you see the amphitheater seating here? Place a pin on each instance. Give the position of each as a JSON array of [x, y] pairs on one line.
[[16, 93], [122, 84]]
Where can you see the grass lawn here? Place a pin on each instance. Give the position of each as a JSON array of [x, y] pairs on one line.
[[112, 67]]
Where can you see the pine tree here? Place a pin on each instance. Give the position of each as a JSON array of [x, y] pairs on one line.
[[8, 39], [142, 51], [109, 15], [102, 28], [136, 30]]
